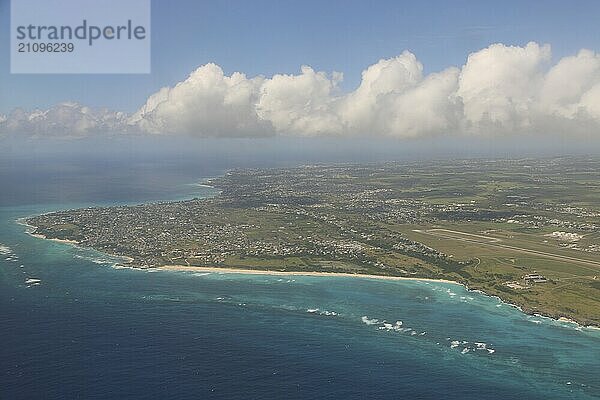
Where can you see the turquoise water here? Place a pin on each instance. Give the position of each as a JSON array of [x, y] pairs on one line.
[[89, 330]]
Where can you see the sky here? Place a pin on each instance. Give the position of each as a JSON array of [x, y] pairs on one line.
[[306, 66]]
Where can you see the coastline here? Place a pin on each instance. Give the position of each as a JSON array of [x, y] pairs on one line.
[[128, 261], [243, 271], [227, 270], [31, 232], [66, 241], [184, 268], [22, 221]]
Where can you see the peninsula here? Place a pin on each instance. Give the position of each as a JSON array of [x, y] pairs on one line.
[[527, 231]]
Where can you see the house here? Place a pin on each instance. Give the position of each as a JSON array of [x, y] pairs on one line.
[[535, 278]]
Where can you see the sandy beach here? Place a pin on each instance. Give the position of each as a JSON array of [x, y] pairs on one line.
[[296, 273], [40, 236], [184, 268], [31, 230]]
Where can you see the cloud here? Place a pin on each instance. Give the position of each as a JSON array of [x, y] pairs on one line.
[[207, 103], [498, 86], [302, 104], [363, 108], [428, 108], [500, 90], [64, 120], [572, 86]]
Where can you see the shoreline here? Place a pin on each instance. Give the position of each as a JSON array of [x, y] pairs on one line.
[[31, 232], [244, 271], [184, 268], [65, 241], [74, 243]]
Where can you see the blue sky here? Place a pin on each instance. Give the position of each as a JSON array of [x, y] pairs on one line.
[[267, 37]]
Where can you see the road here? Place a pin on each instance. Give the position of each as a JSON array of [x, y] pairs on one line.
[[496, 242]]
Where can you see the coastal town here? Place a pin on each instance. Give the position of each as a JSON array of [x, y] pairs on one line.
[[465, 224]]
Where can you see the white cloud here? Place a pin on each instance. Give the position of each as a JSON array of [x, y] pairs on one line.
[[68, 120], [363, 108], [571, 87], [207, 103], [590, 102], [498, 86], [500, 90], [430, 107], [301, 104]]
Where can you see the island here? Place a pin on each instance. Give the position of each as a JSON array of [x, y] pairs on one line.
[[524, 230]]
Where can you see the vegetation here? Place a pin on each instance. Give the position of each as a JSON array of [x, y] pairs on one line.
[[484, 223]]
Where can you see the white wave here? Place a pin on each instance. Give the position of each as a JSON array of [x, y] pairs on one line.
[[368, 321], [5, 250], [387, 326], [468, 346], [328, 313], [321, 312], [397, 326], [95, 260]]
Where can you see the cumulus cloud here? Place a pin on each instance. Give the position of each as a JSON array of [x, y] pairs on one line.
[[65, 120], [429, 107], [498, 86], [302, 104], [572, 86], [207, 103], [362, 109], [500, 90]]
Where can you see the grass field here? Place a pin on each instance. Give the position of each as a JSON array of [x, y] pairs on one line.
[[484, 223], [503, 256]]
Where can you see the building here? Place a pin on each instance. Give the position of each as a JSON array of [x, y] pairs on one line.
[[535, 278]]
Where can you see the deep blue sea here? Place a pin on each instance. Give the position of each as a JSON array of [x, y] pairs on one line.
[[92, 331]]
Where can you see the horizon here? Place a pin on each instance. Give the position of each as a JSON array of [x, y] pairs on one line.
[[480, 79], [300, 199]]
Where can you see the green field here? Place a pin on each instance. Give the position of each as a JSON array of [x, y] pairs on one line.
[[484, 223], [504, 255]]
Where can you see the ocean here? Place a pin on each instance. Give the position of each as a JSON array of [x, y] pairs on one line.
[[85, 329]]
